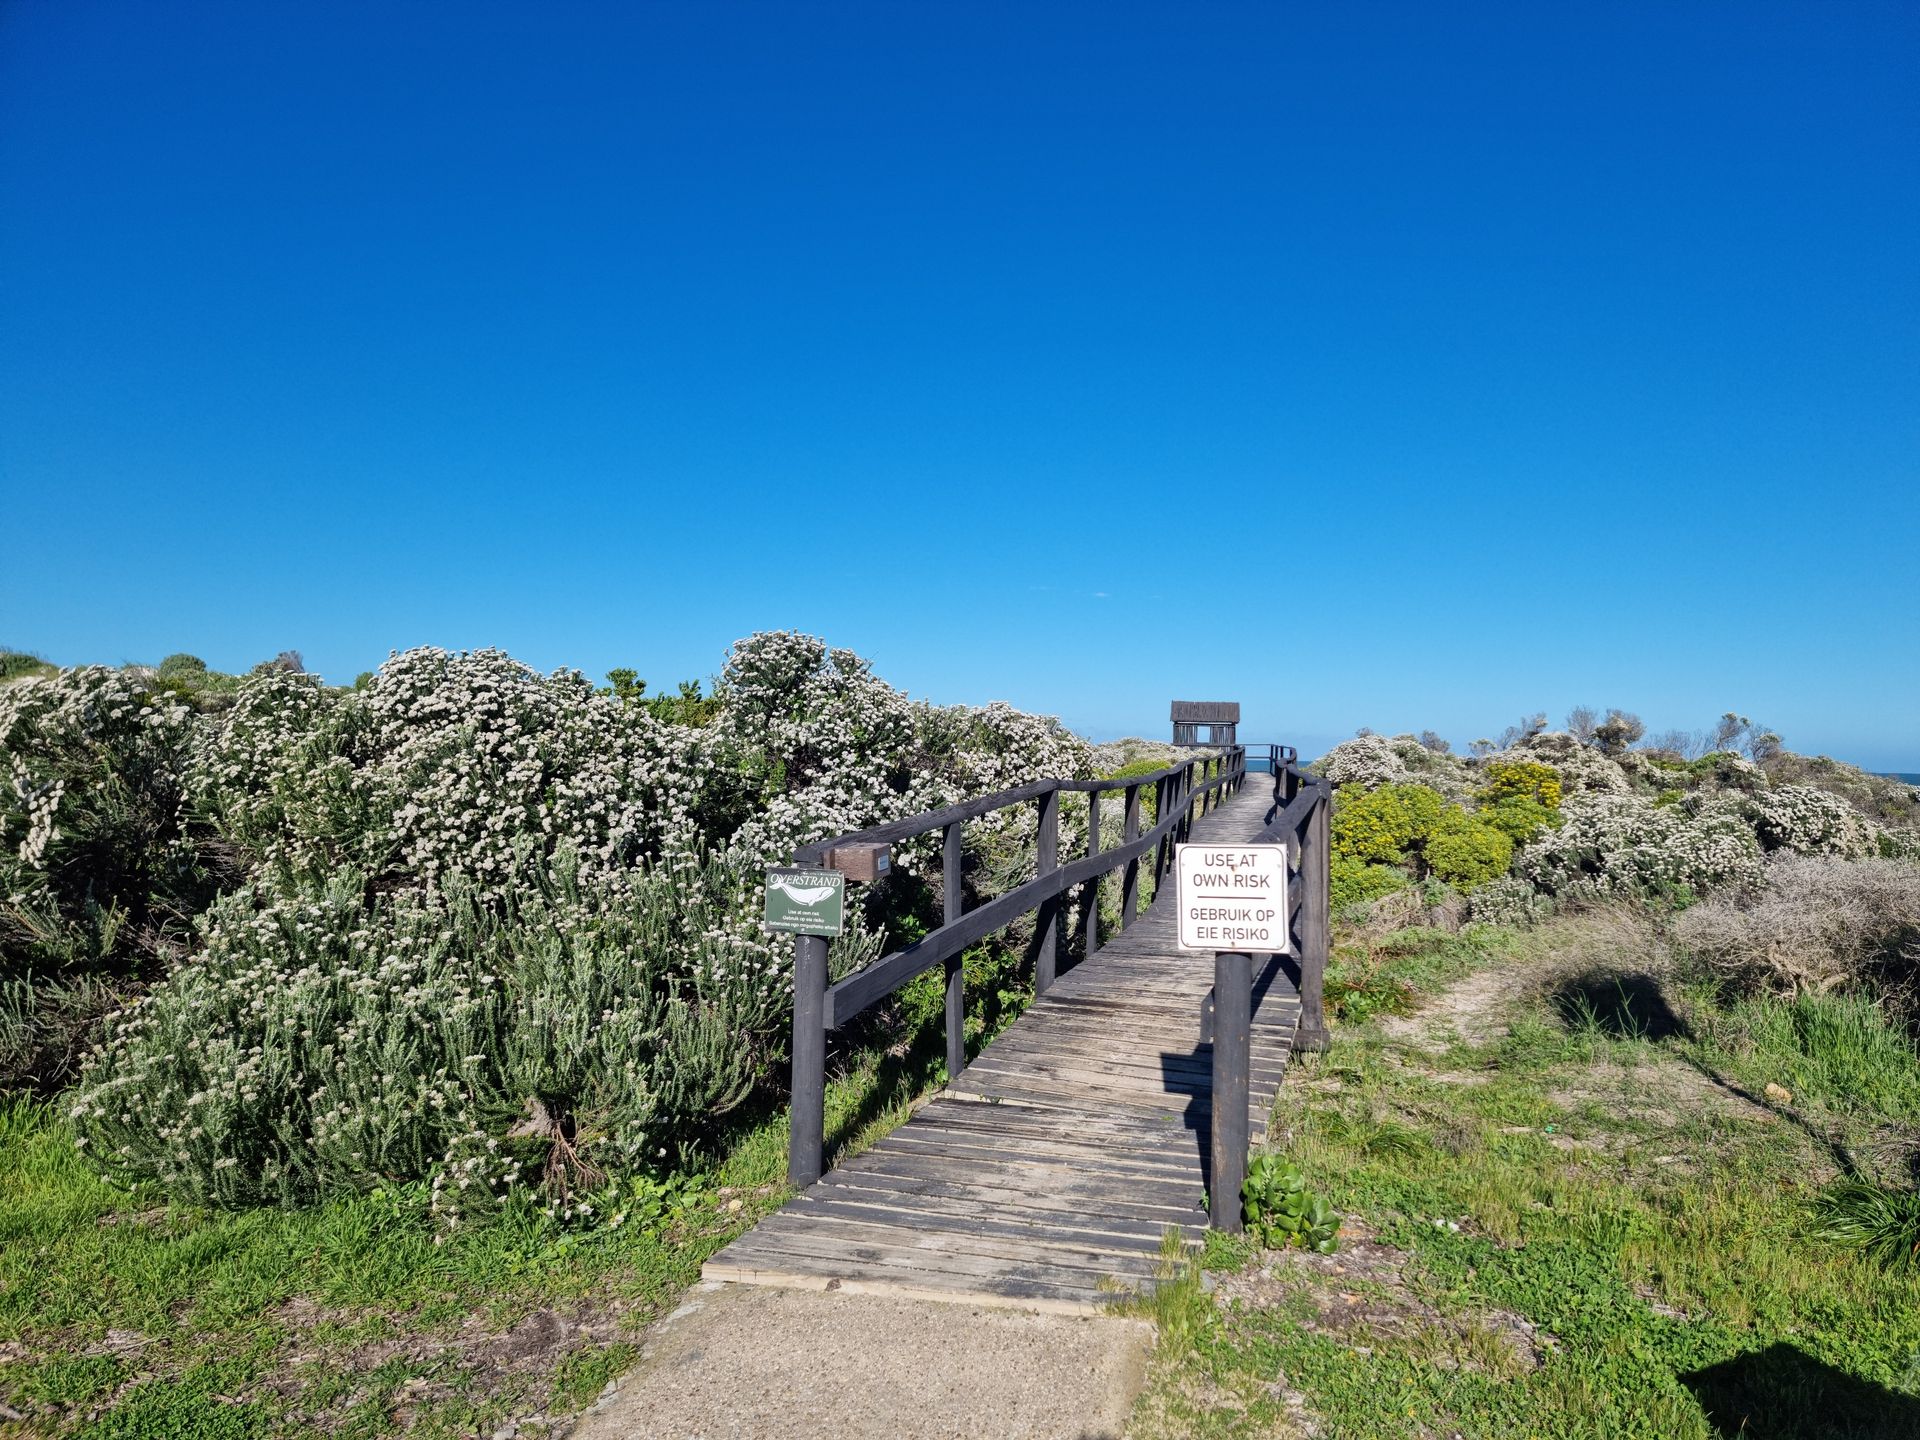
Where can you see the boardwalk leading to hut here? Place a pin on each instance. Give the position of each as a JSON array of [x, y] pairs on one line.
[[1054, 1165]]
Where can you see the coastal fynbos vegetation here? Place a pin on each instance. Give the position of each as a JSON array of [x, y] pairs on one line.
[[372, 1009], [1767, 876], [463, 923], [1554, 821], [1621, 1114]]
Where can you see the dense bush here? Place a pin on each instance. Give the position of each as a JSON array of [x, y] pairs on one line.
[[1522, 780], [582, 1027], [1404, 824], [1521, 798], [1355, 882], [1625, 845], [1465, 850], [1807, 821], [1364, 762], [1383, 826], [482, 925], [444, 765], [101, 865], [1816, 924]]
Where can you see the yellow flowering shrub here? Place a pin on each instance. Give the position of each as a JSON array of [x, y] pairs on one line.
[[1381, 826]]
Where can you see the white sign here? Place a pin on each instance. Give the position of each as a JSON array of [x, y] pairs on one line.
[[1232, 897]]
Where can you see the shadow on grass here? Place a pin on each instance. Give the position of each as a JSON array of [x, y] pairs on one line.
[[902, 1076], [1625, 1007], [1783, 1393]]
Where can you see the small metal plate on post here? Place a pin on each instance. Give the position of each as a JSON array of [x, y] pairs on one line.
[[1232, 897], [861, 863], [806, 902]]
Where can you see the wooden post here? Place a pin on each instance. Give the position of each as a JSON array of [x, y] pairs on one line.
[[1090, 892], [1163, 851], [1130, 877], [954, 903], [1315, 925], [1232, 1049], [807, 1123], [1048, 928]]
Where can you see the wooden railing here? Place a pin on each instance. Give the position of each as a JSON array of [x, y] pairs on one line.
[[1299, 820], [1200, 783]]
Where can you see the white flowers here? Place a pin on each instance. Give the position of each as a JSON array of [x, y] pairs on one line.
[[490, 912], [1625, 844]]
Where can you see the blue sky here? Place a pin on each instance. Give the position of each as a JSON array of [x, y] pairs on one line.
[[1372, 365]]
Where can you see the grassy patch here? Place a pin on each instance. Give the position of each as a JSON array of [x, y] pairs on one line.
[[123, 1318], [1596, 1223], [1370, 973]]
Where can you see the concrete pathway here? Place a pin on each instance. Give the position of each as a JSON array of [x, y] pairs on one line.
[[739, 1362]]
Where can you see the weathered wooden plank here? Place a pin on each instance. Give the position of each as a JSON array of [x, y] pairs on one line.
[[1070, 1071], [976, 1216], [986, 1150], [1092, 1210], [807, 1273], [1062, 1178], [834, 1233], [752, 1248]]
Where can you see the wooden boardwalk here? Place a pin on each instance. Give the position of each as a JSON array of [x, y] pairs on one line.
[[1051, 1169]]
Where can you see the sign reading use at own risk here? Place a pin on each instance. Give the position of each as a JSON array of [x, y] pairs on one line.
[[1232, 897], [806, 902]]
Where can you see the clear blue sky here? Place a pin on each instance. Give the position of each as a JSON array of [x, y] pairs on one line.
[[1373, 365]]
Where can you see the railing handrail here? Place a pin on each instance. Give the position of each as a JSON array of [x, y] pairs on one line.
[[911, 827], [820, 1006]]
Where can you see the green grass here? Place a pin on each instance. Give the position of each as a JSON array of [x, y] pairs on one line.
[[122, 1318], [1639, 1251], [1370, 975]]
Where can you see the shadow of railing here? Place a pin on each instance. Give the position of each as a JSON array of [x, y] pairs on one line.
[[1783, 1393]]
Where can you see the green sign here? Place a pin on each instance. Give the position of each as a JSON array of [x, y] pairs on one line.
[[806, 902]]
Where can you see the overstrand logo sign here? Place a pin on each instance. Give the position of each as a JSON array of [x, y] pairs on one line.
[[806, 902]]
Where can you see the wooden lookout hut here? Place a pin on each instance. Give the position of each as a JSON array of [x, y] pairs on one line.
[[1217, 717]]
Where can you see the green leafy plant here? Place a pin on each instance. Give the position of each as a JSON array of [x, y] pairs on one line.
[[1522, 780], [1881, 1222], [1355, 882], [1281, 1211], [1465, 850], [1383, 825]]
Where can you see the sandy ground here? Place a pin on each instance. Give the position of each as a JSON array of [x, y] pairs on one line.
[[739, 1362]]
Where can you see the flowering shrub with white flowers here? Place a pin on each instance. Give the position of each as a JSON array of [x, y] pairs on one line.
[[1365, 762], [1806, 821], [490, 928], [445, 765], [584, 1027], [1625, 845], [814, 744], [101, 865]]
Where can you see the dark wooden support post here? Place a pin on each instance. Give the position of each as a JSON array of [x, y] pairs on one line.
[[1232, 1048], [954, 903], [1048, 919], [806, 1133], [1130, 877], [1090, 892], [1315, 925], [1159, 809]]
